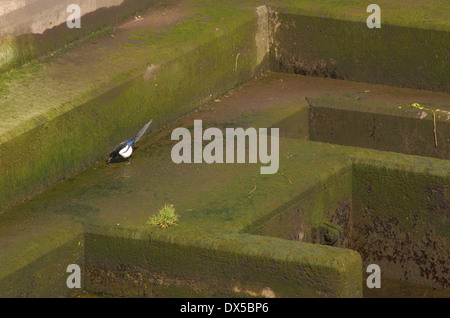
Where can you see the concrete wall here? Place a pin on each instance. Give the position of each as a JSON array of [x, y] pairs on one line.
[[341, 49], [41, 161], [30, 28], [37, 16]]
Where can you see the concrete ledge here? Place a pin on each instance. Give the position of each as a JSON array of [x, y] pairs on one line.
[[131, 263], [302, 218], [38, 267], [74, 131], [331, 185], [46, 105], [400, 218], [395, 55], [36, 28], [372, 123]]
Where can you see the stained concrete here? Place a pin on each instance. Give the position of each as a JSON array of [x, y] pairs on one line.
[[226, 231], [300, 233], [30, 29]]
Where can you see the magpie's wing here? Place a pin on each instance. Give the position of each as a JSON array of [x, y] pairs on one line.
[[143, 130], [116, 150]]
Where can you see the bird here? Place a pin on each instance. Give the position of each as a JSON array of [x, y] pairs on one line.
[[124, 150]]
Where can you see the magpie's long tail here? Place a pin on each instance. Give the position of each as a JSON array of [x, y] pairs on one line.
[[143, 130]]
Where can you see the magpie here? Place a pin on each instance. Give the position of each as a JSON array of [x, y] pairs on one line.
[[126, 148]]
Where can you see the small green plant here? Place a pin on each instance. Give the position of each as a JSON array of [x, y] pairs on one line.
[[165, 218]]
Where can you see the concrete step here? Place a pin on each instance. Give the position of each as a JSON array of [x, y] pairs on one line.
[[235, 222], [399, 120], [239, 231], [33, 29], [98, 198], [59, 117], [408, 50], [98, 88]]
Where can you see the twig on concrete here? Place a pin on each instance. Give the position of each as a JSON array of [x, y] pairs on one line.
[[417, 105], [254, 187], [286, 177]]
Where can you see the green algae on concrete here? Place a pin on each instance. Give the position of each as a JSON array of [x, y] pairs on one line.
[[37, 266], [401, 220], [126, 257], [423, 14], [209, 237], [373, 123], [68, 136], [218, 266], [303, 217], [399, 215], [19, 48], [211, 232], [46, 276], [392, 55], [36, 94]]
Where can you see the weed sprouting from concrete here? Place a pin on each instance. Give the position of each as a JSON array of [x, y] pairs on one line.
[[165, 218]]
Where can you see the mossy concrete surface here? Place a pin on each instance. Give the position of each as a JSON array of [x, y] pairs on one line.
[[232, 241], [234, 222], [401, 220], [36, 251], [17, 49], [321, 45], [421, 14], [60, 117], [45, 104], [46, 275], [370, 122], [209, 250], [22, 45], [114, 203], [220, 265]]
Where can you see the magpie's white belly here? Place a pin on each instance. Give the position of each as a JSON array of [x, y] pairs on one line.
[[126, 152]]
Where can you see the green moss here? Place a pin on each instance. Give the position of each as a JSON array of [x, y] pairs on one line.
[[393, 55], [109, 115], [423, 14], [226, 265], [405, 196], [213, 253], [311, 209], [42, 274], [21, 49], [378, 124], [401, 222]]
